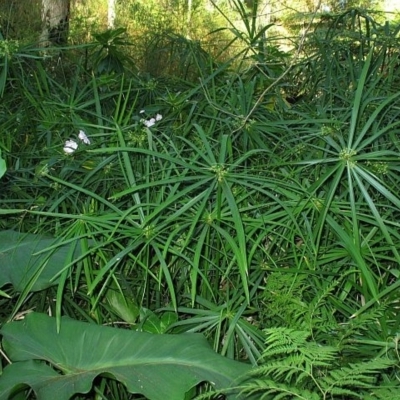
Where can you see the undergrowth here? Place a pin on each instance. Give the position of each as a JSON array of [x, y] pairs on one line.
[[251, 197]]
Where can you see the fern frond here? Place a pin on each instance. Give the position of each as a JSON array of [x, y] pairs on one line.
[[361, 323], [319, 300], [279, 370], [346, 393], [282, 341], [270, 390], [359, 375], [296, 349], [284, 298], [319, 355], [384, 394], [296, 366]]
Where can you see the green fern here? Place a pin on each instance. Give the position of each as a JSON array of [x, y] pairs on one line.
[[384, 394], [293, 301], [295, 367], [312, 353], [284, 300], [357, 376], [268, 389], [304, 304]]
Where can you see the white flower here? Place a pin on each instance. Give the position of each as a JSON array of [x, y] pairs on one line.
[[141, 111], [82, 136], [158, 117], [149, 122], [70, 146]]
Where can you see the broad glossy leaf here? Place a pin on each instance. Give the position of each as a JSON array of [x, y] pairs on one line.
[[157, 366], [3, 167], [123, 306], [24, 260]]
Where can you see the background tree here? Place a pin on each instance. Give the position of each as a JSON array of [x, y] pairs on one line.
[[55, 20], [111, 14]]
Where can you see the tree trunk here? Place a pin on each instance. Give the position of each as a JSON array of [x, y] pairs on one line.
[[111, 14], [55, 20]]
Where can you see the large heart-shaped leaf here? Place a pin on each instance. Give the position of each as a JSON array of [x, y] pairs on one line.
[[29, 259], [157, 366], [3, 167]]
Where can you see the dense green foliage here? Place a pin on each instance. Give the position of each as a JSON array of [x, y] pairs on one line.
[[251, 198]]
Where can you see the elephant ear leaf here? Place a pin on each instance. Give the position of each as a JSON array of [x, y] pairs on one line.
[[157, 366], [33, 261], [3, 167]]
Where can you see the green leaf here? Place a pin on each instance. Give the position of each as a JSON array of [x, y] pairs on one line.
[[33, 261], [124, 307], [3, 167], [157, 366]]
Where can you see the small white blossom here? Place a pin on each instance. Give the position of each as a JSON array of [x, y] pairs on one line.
[[149, 122], [158, 117], [70, 146], [82, 136], [141, 111]]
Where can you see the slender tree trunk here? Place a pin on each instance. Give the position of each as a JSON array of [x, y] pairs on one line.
[[189, 17], [55, 20], [111, 14]]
